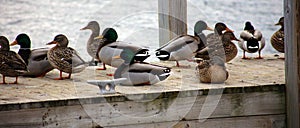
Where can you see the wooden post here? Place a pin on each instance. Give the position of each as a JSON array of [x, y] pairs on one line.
[[172, 19], [292, 42]]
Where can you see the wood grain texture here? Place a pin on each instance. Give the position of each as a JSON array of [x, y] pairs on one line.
[[169, 107], [172, 19], [292, 34]]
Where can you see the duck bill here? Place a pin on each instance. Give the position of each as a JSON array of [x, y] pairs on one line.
[[209, 28], [98, 37], [277, 23], [229, 30], [52, 42], [84, 28], [13, 43]]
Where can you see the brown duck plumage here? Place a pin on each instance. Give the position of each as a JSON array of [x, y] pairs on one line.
[[212, 71], [277, 39], [11, 64]]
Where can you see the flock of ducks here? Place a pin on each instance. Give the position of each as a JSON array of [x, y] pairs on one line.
[[211, 52]]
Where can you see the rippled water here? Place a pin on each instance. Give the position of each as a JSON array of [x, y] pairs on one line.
[[136, 21]]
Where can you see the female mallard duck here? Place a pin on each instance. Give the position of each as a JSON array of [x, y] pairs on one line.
[[277, 39], [213, 70], [12, 64], [183, 47], [251, 41], [114, 53], [36, 60], [92, 44], [141, 73], [230, 49], [219, 44], [64, 58]]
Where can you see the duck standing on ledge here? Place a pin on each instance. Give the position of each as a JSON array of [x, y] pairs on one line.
[[277, 39], [114, 53], [213, 70], [11, 64], [184, 47], [36, 59], [64, 58], [251, 41], [216, 43], [92, 44]]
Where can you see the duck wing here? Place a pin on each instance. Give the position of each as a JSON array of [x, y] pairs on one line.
[[178, 43], [39, 54], [258, 35], [13, 61], [245, 35]]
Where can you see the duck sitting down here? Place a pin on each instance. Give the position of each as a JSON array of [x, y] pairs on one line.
[[141, 73], [213, 70]]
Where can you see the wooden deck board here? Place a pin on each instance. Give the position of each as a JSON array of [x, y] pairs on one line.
[[243, 73]]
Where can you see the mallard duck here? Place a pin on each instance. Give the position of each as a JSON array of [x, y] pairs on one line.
[[114, 53], [36, 59], [277, 39], [198, 32], [213, 70], [140, 73], [92, 44], [12, 64], [183, 47], [251, 40], [64, 58], [217, 44]]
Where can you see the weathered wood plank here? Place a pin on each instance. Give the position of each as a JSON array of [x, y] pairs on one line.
[[172, 19], [271, 121], [158, 110], [292, 39]]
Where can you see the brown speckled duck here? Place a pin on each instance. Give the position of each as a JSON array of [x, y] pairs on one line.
[[213, 70], [64, 58], [277, 39], [11, 64]]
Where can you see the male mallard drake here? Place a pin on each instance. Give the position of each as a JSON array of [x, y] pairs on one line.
[[141, 73], [251, 41], [64, 58], [277, 39], [36, 60], [217, 43], [183, 47], [92, 44], [213, 70], [11, 64], [114, 53]]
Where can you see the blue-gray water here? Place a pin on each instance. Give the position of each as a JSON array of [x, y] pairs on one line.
[[136, 21]]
